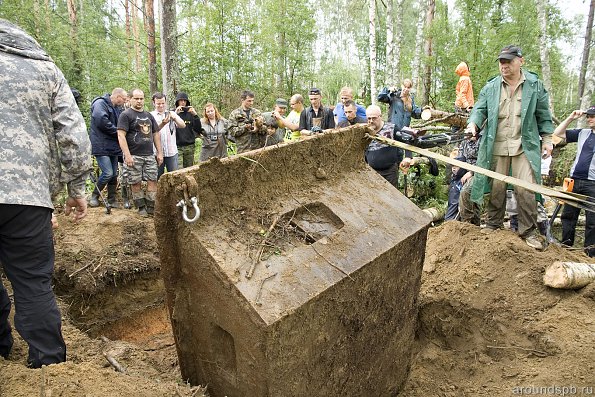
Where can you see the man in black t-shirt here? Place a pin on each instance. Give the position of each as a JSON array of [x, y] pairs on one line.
[[137, 133]]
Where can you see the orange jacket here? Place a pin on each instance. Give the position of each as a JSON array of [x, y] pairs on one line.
[[464, 87]]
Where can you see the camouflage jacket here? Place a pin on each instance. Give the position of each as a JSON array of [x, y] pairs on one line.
[[42, 132], [240, 127]]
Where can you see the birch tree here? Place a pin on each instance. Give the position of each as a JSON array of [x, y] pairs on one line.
[[586, 49], [372, 43], [419, 36], [543, 50], [389, 75], [169, 49], [427, 81], [152, 51], [589, 90]]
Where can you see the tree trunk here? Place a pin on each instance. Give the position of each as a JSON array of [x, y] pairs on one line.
[[389, 76], [76, 54], [419, 36], [427, 83], [169, 48], [150, 28], [586, 49], [543, 50], [398, 13], [136, 35], [128, 31], [372, 34], [589, 91], [149, 19]]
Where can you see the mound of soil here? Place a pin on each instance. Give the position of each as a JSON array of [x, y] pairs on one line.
[[487, 324]]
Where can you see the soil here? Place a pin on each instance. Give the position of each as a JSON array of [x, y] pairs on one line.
[[487, 324]]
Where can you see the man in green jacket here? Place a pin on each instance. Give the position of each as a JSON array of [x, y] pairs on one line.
[[517, 133]]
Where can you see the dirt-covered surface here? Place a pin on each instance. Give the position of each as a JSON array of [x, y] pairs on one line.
[[487, 325]]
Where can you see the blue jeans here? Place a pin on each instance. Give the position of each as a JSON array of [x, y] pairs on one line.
[[170, 162], [109, 170]]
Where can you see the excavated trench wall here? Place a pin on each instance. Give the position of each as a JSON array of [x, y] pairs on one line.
[[300, 276]]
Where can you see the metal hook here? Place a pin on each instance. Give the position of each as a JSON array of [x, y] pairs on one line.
[[182, 204]]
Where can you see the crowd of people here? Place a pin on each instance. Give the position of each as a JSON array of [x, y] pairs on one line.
[[46, 146]]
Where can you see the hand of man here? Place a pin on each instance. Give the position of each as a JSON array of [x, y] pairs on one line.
[[192, 111], [79, 205], [159, 158], [466, 177], [129, 160], [406, 164], [546, 149]]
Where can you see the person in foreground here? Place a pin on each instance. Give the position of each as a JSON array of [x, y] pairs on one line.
[[518, 131], [44, 146]]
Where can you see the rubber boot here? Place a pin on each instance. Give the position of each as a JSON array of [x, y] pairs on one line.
[[150, 206], [111, 196], [125, 197], [140, 204], [94, 201]]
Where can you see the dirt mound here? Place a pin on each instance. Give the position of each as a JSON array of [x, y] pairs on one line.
[[487, 325]]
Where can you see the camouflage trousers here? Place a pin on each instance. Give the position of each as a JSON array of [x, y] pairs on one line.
[[469, 211], [144, 168], [186, 156]]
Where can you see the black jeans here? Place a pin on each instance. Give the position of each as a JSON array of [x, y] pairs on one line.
[[570, 216], [27, 256]]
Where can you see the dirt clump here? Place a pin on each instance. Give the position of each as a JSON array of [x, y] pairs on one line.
[[487, 324]]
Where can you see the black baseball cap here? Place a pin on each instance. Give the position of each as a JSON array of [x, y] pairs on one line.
[[314, 91], [282, 103], [510, 52], [590, 110]]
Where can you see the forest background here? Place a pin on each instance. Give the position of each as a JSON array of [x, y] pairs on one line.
[[214, 49]]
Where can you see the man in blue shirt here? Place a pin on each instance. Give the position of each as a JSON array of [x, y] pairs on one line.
[[346, 94], [583, 173]]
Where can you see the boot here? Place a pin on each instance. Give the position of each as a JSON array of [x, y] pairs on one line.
[[125, 197], [150, 206], [140, 204], [111, 196], [94, 201]]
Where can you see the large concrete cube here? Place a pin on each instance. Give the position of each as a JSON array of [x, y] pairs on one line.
[[300, 277]]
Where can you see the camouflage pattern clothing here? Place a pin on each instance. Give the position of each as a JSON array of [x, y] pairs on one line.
[[241, 123], [44, 145], [43, 135]]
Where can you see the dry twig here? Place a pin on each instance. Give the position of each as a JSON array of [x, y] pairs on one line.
[[257, 300], [261, 246]]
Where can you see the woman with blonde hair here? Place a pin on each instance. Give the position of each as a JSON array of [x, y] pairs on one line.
[[214, 133], [402, 104]]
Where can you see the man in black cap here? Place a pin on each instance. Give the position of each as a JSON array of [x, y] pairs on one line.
[[513, 111], [583, 173], [316, 117], [275, 123]]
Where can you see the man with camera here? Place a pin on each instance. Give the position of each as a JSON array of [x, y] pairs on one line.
[[316, 118], [186, 136], [246, 124], [169, 122]]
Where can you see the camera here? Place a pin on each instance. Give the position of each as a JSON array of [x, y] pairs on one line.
[[185, 108]]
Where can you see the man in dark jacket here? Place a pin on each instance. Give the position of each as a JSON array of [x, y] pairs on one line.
[[316, 117], [105, 111], [185, 137]]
